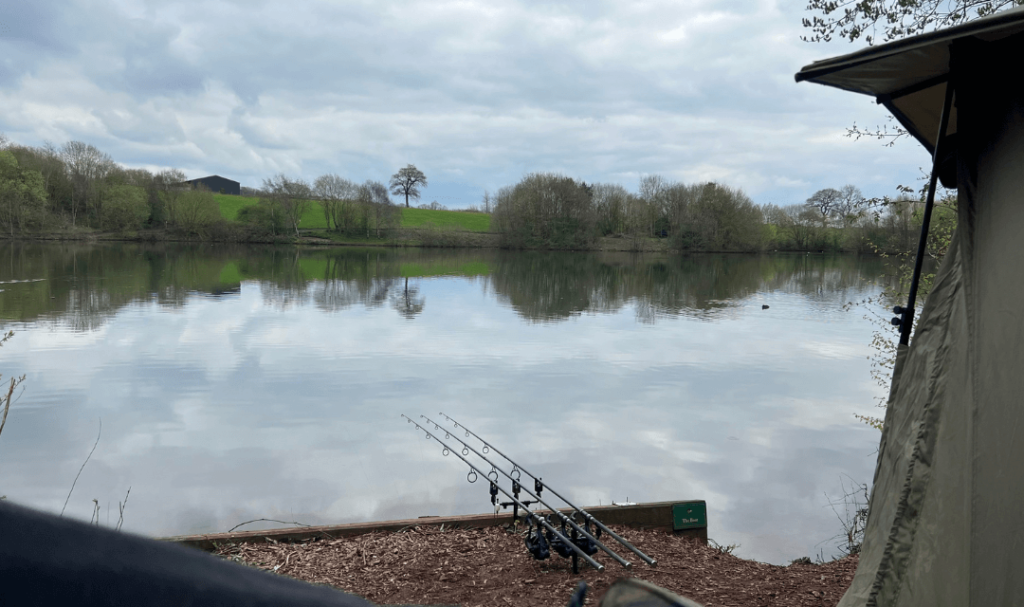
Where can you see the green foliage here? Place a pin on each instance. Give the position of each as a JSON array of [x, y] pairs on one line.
[[546, 210], [72, 186], [125, 208], [264, 218], [192, 211], [698, 217], [885, 337], [719, 218], [231, 206], [22, 195]]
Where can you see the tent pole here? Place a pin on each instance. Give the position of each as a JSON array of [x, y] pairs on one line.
[[905, 320]]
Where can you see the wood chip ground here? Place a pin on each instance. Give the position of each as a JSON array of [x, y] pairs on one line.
[[490, 567]]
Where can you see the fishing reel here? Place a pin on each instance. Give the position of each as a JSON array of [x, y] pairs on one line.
[[583, 542], [557, 544], [563, 547], [536, 543]]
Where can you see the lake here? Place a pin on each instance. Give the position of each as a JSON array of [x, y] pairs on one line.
[[235, 383]]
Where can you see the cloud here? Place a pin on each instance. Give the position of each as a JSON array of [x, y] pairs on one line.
[[476, 93]]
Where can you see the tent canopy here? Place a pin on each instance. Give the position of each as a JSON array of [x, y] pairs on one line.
[[944, 525], [909, 76]]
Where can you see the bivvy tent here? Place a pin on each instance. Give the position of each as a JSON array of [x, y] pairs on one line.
[[945, 521]]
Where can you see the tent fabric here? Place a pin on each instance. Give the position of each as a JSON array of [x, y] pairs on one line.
[[944, 526], [991, 158], [909, 75], [47, 560], [902, 526]]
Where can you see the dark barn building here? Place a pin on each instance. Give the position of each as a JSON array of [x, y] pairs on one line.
[[217, 185]]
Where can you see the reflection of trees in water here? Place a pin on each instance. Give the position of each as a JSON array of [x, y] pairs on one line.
[[367, 278], [80, 286], [408, 300], [553, 286]]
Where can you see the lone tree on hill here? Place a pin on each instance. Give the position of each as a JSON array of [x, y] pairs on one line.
[[407, 181]]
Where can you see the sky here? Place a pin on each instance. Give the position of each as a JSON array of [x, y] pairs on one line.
[[476, 94]]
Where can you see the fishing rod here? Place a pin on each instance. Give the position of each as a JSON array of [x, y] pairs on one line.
[[586, 515], [476, 472], [537, 499]]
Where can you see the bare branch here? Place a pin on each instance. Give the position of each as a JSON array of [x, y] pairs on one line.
[[121, 506]]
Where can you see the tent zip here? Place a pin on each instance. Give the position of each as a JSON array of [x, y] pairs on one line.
[[905, 318]]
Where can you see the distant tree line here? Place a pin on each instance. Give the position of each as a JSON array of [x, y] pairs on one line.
[[546, 210], [76, 186]]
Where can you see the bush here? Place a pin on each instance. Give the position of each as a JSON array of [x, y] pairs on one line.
[[719, 218], [227, 231], [125, 208], [192, 211], [264, 218], [431, 235], [546, 210]]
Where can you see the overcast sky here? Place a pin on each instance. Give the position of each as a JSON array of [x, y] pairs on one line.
[[474, 93]]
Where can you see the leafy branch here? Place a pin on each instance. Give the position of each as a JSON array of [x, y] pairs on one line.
[[5, 400], [888, 20]]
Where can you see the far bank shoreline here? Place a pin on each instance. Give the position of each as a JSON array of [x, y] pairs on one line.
[[410, 238]]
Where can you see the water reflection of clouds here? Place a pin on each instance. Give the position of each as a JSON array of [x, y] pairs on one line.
[[231, 409]]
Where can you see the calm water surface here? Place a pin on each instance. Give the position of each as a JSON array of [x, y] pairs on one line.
[[237, 383]]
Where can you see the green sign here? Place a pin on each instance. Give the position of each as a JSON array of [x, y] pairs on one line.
[[689, 515]]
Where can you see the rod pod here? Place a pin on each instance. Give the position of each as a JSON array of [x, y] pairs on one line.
[[564, 519], [540, 520], [587, 515]]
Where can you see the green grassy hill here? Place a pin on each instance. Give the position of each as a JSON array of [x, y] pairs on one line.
[[473, 222], [231, 205], [314, 219]]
